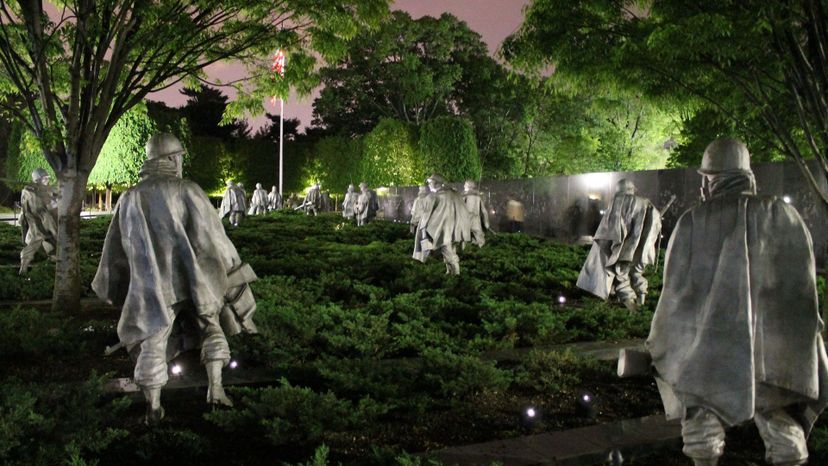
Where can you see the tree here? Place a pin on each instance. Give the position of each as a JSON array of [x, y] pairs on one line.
[[747, 61], [123, 153], [336, 162], [204, 110], [390, 155], [71, 79], [447, 146], [271, 130], [409, 70]]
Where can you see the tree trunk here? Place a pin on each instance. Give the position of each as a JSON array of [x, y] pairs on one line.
[[100, 199], [66, 296], [108, 197]]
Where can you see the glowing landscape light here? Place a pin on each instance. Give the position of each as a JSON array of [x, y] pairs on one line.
[[176, 369]]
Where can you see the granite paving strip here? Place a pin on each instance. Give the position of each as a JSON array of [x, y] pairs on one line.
[[574, 447], [601, 350]]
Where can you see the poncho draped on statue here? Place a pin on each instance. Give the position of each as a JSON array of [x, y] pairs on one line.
[[628, 232], [166, 245], [737, 327], [37, 216], [233, 201], [479, 216], [444, 221], [258, 202]]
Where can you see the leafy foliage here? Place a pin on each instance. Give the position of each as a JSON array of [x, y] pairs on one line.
[[390, 155], [124, 152], [447, 146], [337, 162], [756, 64]]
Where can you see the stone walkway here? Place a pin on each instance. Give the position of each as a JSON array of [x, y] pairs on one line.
[[574, 447]]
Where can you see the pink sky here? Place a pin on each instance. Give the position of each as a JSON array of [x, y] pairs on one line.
[[492, 19]]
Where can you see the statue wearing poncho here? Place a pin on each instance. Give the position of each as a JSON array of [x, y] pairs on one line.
[[417, 207], [444, 222], [274, 200], [736, 333], [625, 243], [477, 210], [349, 203], [258, 203], [38, 219], [313, 201], [232, 203], [179, 282]]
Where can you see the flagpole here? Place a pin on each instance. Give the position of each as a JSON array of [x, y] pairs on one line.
[[281, 141]]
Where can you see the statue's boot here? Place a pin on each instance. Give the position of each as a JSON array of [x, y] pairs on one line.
[[155, 412], [215, 390], [641, 298], [631, 305]]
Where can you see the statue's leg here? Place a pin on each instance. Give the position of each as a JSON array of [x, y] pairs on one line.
[[151, 372], [215, 354], [639, 282], [703, 436], [784, 438], [451, 259], [27, 255], [623, 287]]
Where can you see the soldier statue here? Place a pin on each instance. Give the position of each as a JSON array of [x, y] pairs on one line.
[[38, 219], [625, 243], [180, 284], [736, 333]]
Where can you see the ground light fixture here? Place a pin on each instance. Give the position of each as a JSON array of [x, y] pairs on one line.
[[585, 404], [233, 364], [787, 199], [176, 370], [561, 299], [530, 417]]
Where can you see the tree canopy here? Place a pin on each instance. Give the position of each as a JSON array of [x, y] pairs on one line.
[[759, 64], [69, 77], [410, 70]]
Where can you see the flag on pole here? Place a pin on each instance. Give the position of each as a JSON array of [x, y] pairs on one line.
[[278, 65]]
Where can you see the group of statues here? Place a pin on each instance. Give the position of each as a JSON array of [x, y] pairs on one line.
[[363, 206], [442, 218], [234, 202], [735, 335]]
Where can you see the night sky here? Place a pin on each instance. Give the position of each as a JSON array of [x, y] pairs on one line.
[[492, 19]]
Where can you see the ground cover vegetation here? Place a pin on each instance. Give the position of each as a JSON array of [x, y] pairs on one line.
[[370, 354]]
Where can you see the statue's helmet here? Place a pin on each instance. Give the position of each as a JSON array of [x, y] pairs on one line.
[[273, 188], [423, 189], [725, 155], [436, 178], [163, 145], [626, 186], [363, 185], [38, 174], [350, 187], [258, 186], [230, 183], [469, 184]]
